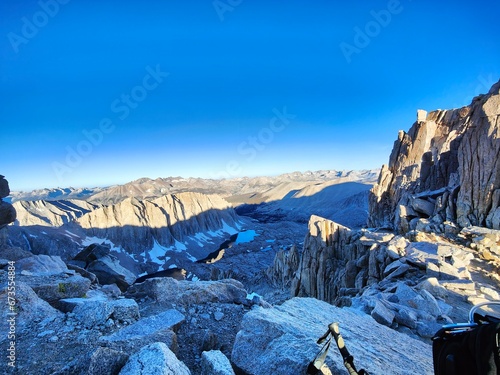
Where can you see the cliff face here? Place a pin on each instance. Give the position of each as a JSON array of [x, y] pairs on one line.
[[51, 213], [61, 227], [446, 170], [135, 225], [443, 175], [328, 247], [337, 261]]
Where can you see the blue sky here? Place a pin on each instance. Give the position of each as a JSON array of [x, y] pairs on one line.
[[99, 92]]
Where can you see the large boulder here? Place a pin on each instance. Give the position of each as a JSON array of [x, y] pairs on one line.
[[41, 265], [154, 359], [97, 307], [4, 187], [283, 340], [160, 327], [53, 288], [92, 252], [169, 292], [109, 271], [28, 307], [7, 213], [214, 362]]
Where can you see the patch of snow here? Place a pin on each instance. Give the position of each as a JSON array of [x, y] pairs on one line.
[[157, 252], [190, 257], [228, 229], [191, 276], [202, 237], [179, 246], [252, 295], [27, 242], [270, 241], [71, 233], [172, 266]]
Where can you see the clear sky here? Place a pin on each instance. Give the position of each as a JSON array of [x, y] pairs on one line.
[[95, 93]]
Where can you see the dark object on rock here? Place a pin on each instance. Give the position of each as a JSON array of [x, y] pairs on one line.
[[175, 273], [4, 187], [92, 253], [470, 348], [109, 271], [7, 213]]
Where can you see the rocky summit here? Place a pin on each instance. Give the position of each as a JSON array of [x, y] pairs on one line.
[[192, 276], [444, 172]]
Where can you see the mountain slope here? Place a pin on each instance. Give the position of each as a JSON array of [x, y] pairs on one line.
[[445, 169], [137, 225]]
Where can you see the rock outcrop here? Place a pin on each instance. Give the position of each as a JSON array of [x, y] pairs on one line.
[[415, 284], [7, 211], [444, 171], [153, 359], [286, 263], [328, 248], [51, 213], [214, 362], [282, 340], [167, 291]]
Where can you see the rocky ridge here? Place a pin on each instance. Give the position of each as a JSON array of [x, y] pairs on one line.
[[165, 220], [443, 173], [414, 284], [138, 231], [440, 252]]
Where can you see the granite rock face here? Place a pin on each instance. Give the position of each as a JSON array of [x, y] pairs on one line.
[[168, 291], [136, 225], [51, 213], [282, 340], [446, 169], [404, 283], [154, 359], [333, 259], [286, 263]]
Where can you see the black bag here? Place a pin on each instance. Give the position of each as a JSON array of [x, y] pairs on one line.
[[470, 348]]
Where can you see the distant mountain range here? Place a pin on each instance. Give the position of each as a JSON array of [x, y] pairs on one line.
[[237, 190]]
